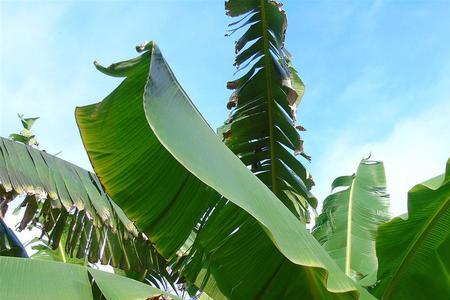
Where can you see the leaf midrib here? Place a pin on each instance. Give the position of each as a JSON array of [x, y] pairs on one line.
[[414, 246], [269, 97], [348, 245]]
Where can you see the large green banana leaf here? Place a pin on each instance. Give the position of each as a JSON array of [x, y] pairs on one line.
[[261, 128], [67, 201], [350, 217], [414, 253], [194, 199], [23, 279]]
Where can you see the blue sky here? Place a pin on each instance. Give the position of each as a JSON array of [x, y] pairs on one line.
[[377, 74]]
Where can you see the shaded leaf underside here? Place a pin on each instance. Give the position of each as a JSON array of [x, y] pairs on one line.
[[414, 253]]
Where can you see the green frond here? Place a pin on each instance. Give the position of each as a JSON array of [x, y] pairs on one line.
[[414, 250], [350, 218], [261, 128], [201, 207], [24, 278], [63, 199]]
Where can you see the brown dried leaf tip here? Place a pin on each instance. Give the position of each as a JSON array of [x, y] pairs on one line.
[[232, 102], [160, 297], [232, 85], [299, 149], [226, 134]]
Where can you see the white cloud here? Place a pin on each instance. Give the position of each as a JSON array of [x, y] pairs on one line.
[[415, 150]]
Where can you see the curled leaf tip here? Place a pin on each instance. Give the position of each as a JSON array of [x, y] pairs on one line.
[[368, 157], [300, 128], [144, 46]]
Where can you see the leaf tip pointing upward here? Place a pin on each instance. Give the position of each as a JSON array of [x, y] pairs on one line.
[[145, 46]]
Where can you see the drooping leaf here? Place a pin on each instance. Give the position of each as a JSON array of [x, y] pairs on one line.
[[261, 128], [65, 200], [22, 278], [414, 252], [350, 217], [194, 199], [43, 250]]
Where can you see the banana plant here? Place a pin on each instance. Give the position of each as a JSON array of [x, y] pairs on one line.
[[389, 257], [350, 217], [261, 129], [414, 251], [64, 200], [24, 278], [182, 193], [193, 198]]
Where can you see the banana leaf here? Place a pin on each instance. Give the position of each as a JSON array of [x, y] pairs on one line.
[[350, 217], [193, 198], [261, 128], [23, 278], [70, 206], [414, 251]]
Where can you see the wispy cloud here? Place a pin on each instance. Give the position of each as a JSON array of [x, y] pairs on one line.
[[415, 149], [37, 80]]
